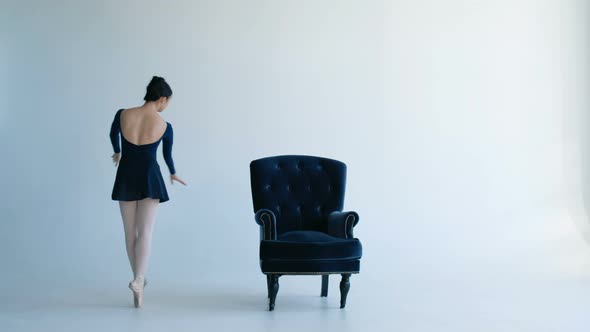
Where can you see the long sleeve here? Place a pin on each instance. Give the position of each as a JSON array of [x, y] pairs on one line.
[[167, 149], [115, 131]]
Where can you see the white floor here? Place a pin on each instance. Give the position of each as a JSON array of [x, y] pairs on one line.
[[539, 285], [393, 305]]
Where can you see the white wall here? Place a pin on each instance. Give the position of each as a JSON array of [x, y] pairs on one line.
[[451, 116]]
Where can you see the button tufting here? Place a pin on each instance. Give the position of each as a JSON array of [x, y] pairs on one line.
[[288, 187], [267, 187]]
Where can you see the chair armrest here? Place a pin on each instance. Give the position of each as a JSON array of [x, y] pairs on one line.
[[268, 224], [340, 224]]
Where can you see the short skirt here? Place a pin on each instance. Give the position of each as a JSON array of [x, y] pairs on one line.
[[136, 181]]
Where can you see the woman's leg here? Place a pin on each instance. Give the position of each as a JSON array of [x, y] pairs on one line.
[[128, 212], [144, 222]]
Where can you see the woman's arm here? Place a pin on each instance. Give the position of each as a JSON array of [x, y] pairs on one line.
[[167, 149], [115, 131]]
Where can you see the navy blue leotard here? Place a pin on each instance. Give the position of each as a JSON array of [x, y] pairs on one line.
[[138, 174]]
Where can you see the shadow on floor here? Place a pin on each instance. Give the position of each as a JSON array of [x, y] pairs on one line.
[[191, 299]]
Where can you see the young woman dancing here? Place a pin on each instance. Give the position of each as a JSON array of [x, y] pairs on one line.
[[139, 186]]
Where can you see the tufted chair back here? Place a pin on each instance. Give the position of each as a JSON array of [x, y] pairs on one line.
[[300, 190]]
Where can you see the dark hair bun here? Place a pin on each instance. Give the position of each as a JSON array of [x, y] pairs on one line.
[[157, 88]]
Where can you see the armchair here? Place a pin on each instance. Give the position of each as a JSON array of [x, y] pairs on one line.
[[298, 203]]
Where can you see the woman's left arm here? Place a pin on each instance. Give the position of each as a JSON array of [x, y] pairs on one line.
[[114, 135]]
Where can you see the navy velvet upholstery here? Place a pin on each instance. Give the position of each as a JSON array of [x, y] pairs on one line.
[[311, 245], [304, 267], [298, 203]]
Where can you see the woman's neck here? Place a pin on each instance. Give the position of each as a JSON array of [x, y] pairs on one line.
[[150, 106]]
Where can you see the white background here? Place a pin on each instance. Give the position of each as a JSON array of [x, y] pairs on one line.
[[461, 122]]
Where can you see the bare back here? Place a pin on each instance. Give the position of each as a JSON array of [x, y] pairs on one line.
[[140, 126]]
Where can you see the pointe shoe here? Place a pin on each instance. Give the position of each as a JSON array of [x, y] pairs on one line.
[[137, 286]]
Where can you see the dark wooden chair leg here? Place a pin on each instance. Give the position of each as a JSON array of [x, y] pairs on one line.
[[274, 289], [268, 285], [325, 281], [344, 288]]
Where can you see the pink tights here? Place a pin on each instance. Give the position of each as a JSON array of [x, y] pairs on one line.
[[138, 221]]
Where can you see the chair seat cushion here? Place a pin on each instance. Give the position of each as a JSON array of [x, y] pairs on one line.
[[310, 245], [293, 266]]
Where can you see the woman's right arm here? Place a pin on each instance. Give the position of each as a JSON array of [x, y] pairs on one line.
[[167, 151], [167, 148]]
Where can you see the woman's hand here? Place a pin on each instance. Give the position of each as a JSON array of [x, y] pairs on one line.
[[116, 157], [174, 177]]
